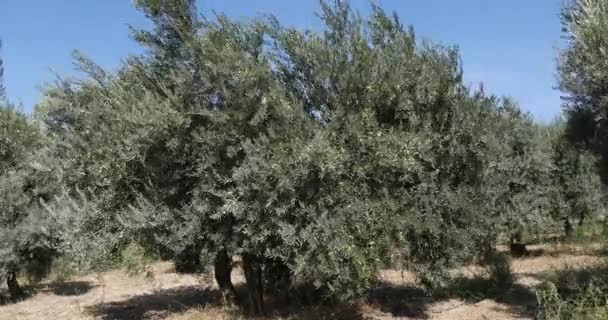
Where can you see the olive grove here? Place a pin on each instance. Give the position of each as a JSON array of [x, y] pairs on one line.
[[315, 157]]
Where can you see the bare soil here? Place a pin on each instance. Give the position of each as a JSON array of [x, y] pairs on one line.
[[116, 296]]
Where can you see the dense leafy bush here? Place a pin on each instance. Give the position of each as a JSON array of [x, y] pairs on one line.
[[588, 303]]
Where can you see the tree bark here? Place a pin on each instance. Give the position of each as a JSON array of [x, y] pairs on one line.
[[517, 248], [253, 274], [13, 286], [567, 228], [223, 269]]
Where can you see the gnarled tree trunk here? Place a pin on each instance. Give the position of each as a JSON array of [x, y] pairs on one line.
[[567, 228], [581, 218], [253, 274], [13, 286], [223, 269], [517, 248]]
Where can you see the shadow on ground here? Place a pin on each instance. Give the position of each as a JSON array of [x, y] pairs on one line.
[[566, 248], [158, 305], [414, 302], [162, 304], [6, 298], [570, 277], [400, 301], [70, 288], [520, 299]]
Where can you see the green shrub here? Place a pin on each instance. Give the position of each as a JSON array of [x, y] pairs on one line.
[[550, 304], [62, 269], [588, 303], [499, 266], [136, 262]]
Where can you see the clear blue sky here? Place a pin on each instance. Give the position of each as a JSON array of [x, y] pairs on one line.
[[509, 45]]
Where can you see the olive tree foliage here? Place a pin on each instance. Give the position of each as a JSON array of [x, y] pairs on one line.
[[524, 173], [26, 235], [101, 128], [154, 166], [581, 149], [430, 154], [582, 76], [313, 156], [19, 208], [580, 194], [27, 238]]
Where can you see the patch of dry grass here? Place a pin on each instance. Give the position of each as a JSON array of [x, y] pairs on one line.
[[170, 296]]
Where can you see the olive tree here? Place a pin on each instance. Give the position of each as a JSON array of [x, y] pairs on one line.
[[26, 233], [313, 156], [582, 79]]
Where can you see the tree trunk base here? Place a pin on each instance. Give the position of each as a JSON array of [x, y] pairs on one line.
[[13, 286], [223, 270], [567, 228], [517, 248], [253, 275]]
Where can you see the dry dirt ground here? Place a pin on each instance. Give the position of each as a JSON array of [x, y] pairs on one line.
[[116, 296]]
